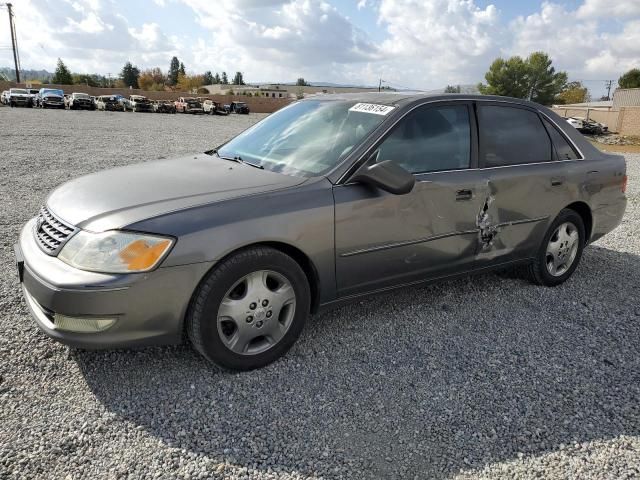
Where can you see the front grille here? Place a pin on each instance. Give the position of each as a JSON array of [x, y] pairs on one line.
[[50, 232]]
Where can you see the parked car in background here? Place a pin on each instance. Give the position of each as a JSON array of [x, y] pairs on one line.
[[164, 106], [108, 103], [80, 101], [325, 201], [214, 108], [19, 97], [140, 103], [227, 107], [50, 98], [124, 102], [239, 107], [33, 93], [4, 99], [188, 105]]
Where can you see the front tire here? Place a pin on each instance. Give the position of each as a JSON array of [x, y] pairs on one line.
[[250, 309], [560, 251]]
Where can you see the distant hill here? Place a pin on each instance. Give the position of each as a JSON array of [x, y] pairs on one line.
[[10, 73]]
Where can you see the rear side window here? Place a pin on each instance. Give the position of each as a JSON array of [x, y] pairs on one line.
[[511, 136], [563, 149], [430, 139]]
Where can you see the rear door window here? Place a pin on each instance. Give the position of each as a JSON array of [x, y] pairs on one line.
[[564, 151], [511, 136]]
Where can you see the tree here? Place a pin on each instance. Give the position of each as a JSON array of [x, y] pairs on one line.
[[631, 79], [187, 83], [216, 79], [129, 75], [62, 75], [534, 78], [152, 79], [301, 82], [181, 69], [573, 92], [174, 69], [237, 79], [86, 79], [452, 89], [207, 78], [225, 80]]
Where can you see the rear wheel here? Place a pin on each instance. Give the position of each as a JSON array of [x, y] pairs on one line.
[[250, 309], [561, 250]]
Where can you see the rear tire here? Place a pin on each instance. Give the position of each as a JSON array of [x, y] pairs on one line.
[[560, 251], [250, 309]]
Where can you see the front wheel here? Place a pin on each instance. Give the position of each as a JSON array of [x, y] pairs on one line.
[[561, 250], [250, 309]]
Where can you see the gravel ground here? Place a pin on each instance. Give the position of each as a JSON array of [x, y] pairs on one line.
[[484, 377]]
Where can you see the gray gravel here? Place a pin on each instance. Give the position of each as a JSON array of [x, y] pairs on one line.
[[481, 377]]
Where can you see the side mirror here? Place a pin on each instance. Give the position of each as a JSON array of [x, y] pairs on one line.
[[386, 175]]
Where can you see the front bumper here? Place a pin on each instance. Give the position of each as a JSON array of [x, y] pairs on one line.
[[149, 308]]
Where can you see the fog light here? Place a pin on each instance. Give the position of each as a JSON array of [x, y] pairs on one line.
[[82, 325]]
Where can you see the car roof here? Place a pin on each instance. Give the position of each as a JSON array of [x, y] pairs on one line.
[[406, 97]]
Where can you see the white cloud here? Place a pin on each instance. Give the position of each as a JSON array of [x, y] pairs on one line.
[[579, 46], [416, 43], [609, 9]]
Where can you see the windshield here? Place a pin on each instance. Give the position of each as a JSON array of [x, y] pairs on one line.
[[18, 90], [306, 138], [53, 92], [80, 95]]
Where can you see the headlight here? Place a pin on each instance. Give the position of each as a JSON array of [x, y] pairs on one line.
[[115, 252]]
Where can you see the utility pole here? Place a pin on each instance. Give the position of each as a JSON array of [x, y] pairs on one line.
[[14, 42], [608, 84], [380, 85]]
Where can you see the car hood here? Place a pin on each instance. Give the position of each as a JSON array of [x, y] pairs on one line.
[[121, 196]]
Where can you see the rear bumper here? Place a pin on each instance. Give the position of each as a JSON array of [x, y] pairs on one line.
[[149, 308], [607, 218]]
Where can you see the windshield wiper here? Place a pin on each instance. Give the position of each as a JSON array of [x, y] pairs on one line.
[[237, 159]]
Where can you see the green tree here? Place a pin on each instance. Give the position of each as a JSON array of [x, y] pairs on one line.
[[62, 75], [216, 79], [129, 75], [452, 89], [207, 78], [237, 79], [224, 80], [86, 79], [630, 79], [174, 70], [301, 82], [534, 78], [181, 70], [573, 92]]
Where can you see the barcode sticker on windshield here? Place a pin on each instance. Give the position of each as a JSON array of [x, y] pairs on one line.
[[371, 108]]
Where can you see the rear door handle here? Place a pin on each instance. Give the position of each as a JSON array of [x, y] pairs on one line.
[[464, 195], [556, 182]]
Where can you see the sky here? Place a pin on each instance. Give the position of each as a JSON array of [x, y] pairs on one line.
[[418, 44]]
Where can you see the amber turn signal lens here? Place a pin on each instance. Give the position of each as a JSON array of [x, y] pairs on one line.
[[140, 255]]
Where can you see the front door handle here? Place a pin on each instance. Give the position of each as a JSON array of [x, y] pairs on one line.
[[557, 181], [464, 195]]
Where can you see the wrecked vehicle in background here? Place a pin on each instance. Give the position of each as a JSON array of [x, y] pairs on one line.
[[324, 201], [50, 98], [80, 101], [19, 97], [214, 108], [239, 107], [140, 103], [108, 103], [188, 105], [164, 106]]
